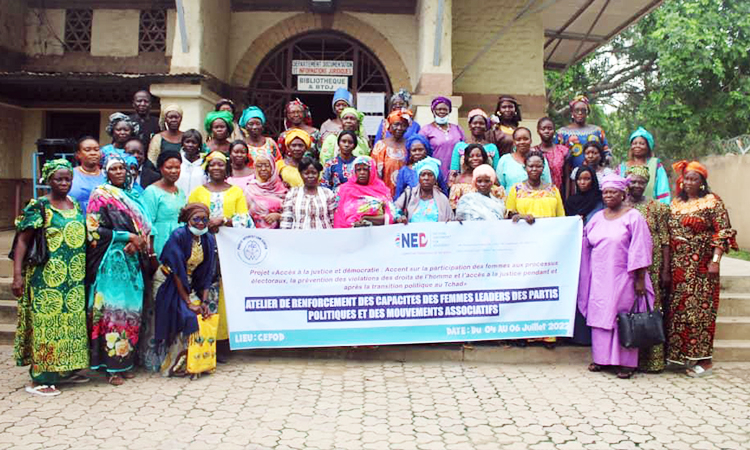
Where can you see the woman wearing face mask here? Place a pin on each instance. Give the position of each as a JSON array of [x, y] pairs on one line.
[[478, 124], [417, 149], [351, 120], [171, 137], [443, 136], [390, 153], [338, 170], [511, 168], [116, 260], [252, 122], [265, 193], [424, 203], [242, 165], [506, 119], [475, 156], [641, 154], [311, 206], [342, 99], [481, 204], [400, 100], [182, 284]]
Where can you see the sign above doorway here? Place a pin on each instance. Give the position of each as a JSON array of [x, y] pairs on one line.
[[321, 84], [311, 67]]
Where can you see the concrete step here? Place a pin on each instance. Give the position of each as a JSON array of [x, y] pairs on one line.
[[8, 311], [731, 304], [7, 333], [735, 284], [6, 293], [731, 350], [6, 265], [735, 328]]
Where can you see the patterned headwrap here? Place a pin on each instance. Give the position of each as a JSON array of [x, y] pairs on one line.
[[642, 132], [295, 133], [614, 181], [211, 156], [52, 166], [342, 94], [402, 94], [252, 112], [118, 117], [484, 169], [362, 160], [438, 100], [683, 167], [496, 117], [581, 99], [167, 109], [639, 171], [399, 115], [190, 210], [431, 164], [226, 116], [479, 112], [360, 119], [306, 116]]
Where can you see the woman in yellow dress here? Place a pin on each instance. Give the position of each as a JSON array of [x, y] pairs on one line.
[[228, 209]]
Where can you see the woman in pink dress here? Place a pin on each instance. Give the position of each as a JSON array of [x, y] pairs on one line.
[[616, 255], [265, 193]]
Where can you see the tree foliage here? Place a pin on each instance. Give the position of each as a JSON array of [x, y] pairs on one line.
[[682, 72]]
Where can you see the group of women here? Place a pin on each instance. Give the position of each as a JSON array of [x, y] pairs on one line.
[[132, 278]]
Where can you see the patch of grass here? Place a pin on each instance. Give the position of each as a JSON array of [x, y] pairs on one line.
[[741, 254]]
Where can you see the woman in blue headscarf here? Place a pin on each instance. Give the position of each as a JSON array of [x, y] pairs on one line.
[[642, 154], [342, 99], [417, 149], [424, 202], [252, 121]]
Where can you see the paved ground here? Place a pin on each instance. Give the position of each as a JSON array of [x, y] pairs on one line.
[[330, 404]]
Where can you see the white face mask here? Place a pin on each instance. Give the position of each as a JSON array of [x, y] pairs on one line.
[[197, 232], [441, 120]]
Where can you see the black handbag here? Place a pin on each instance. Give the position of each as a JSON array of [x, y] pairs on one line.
[[640, 329], [37, 253]]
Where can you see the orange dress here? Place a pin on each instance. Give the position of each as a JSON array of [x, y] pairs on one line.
[[389, 160]]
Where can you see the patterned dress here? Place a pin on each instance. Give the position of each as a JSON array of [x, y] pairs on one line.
[[389, 161], [51, 331], [577, 138], [337, 171], [696, 227], [657, 218]]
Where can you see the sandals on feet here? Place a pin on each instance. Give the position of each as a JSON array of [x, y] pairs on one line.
[[625, 373], [43, 390], [697, 371], [594, 367], [116, 380], [128, 375]]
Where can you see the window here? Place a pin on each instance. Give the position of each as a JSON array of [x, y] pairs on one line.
[[78, 30], [152, 34]]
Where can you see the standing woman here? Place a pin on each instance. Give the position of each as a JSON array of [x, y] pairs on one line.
[[463, 184], [311, 206], [265, 193], [227, 105], [364, 200], [578, 133], [88, 174], [478, 125], [171, 137], [51, 331], [297, 143], [641, 154], [390, 153], [351, 120], [511, 168], [399, 100], [443, 136], [339, 169], [587, 199], [506, 119], [298, 118], [555, 154], [342, 98], [219, 127], [191, 171], [700, 234], [116, 259], [616, 254], [657, 217], [121, 128], [424, 203], [534, 198], [481, 204], [242, 164], [252, 122]]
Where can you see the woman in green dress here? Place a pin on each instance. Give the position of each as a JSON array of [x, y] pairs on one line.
[[51, 333], [116, 259]]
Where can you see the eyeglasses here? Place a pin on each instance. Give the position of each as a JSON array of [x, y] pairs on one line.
[[580, 110], [197, 220]]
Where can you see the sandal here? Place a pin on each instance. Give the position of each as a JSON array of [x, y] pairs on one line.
[[43, 390], [697, 371], [594, 367], [116, 380], [625, 373], [128, 375]]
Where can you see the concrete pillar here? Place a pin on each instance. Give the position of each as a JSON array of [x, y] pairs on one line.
[[208, 24], [196, 100]]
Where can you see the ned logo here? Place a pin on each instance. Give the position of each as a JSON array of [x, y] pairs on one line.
[[412, 240]]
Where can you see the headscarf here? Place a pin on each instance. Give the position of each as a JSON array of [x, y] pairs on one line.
[[169, 108], [483, 169], [129, 161], [192, 209], [360, 119], [582, 203], [342, 94], [417, 138], [642, 132], [295, 133], [211, 156], [496, 119], [614, 181], [479, 112], [52, 166], [399, 115], [641, 171], [252, 112], [118, 117], [306, 116], [402, 94], [438, 100], [683, 167], [264, 197], [226, 116], [357, 201], [580, 99], [429, 163]]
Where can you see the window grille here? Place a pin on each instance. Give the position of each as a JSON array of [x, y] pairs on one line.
[[152, 34], [78, 30]]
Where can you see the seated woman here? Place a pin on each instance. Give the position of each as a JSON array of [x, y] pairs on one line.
[[297, 143], [182, 286], [364, 200], [641, 154], [390, 153], [311, 206], [242, 164], [425, 202], [338, 170], [265, 193], [352, 120], [481, 204], [417, 148], [476, 156], [616, 255], [171, 137]]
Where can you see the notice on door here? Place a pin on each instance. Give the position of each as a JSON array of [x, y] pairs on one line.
[[307, 67], [321, 84]]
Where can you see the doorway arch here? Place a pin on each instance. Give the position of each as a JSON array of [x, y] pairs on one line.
[[273, 84]]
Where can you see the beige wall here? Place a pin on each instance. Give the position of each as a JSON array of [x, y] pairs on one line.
[[45, 29], [216, 18], [727, 177], [11, 122], [246, 27], [114, 32], [12, 20]]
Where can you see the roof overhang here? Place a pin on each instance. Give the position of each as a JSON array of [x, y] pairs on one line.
[[575, 28]]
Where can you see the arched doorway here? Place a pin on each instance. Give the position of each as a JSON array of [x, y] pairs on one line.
[[273, 84]]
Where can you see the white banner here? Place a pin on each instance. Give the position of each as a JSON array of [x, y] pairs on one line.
[[321, 84], [400, 284], [308, 67]]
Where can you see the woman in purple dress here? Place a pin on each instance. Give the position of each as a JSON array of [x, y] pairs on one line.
[[617, 243], [443, 136]]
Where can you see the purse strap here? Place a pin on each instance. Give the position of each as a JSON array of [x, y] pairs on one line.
[[635, 304]]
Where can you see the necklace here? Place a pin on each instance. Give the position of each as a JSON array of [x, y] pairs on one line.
[[86, 172]]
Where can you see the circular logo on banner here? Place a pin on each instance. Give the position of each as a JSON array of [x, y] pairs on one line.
[[252, 250]]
